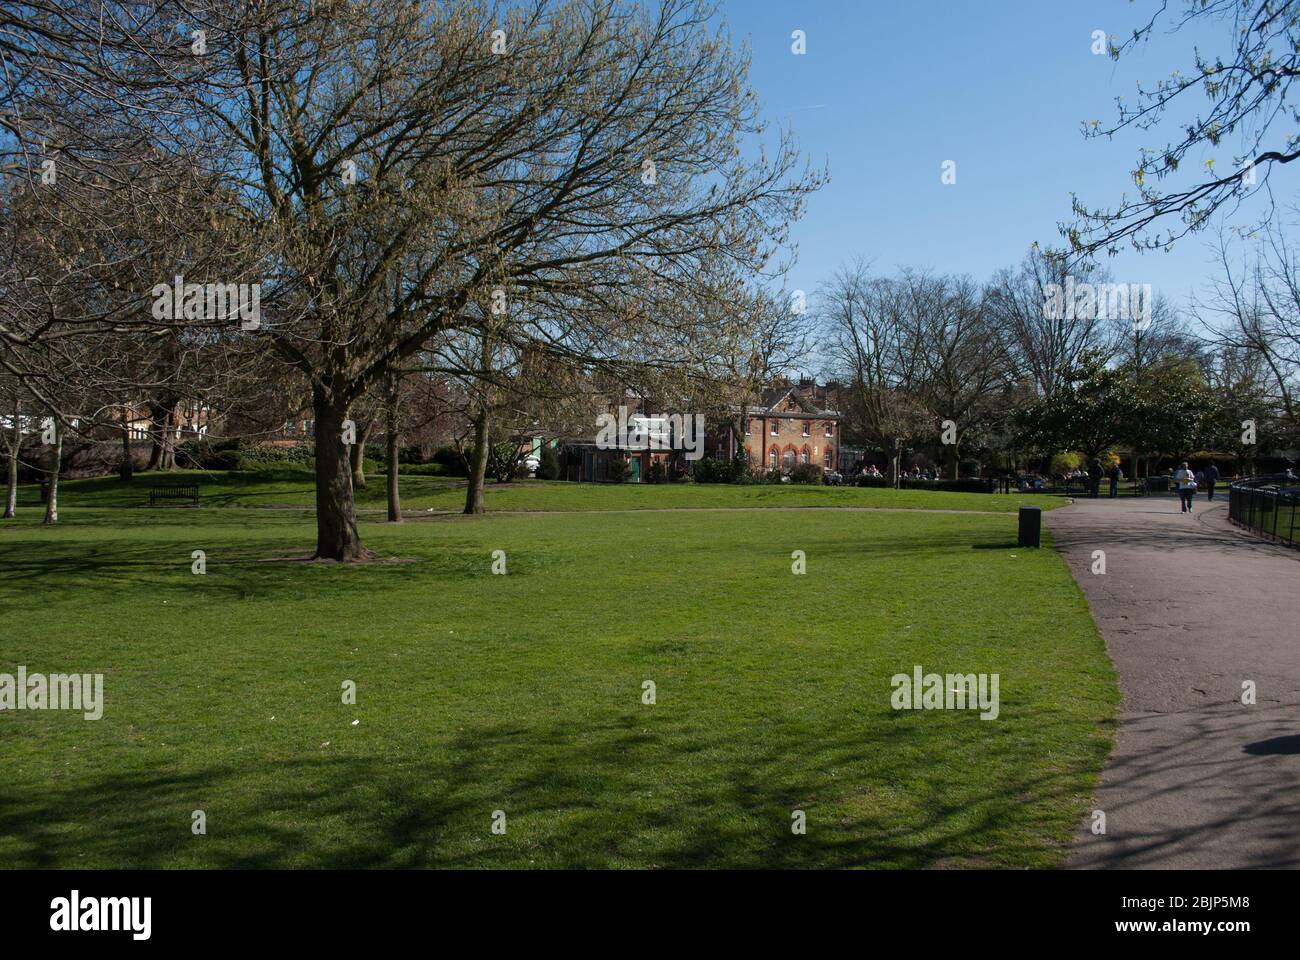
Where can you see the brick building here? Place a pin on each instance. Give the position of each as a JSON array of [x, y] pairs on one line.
[[790, 425]]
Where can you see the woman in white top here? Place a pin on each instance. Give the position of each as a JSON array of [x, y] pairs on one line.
[[1186, 481]]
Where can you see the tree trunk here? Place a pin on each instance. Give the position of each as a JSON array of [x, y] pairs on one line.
[[11, 497], [336, 513], [161, 416], [954, 461], [15, 447], [478, 465], [127, 470], [357, 456], [390, 426], [52, 502], [155, 450]]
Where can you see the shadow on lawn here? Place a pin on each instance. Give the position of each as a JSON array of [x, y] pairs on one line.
[[605, 800], [253, 570], [292, 490]]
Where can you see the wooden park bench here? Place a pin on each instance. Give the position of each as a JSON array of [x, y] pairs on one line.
[[174, 490]]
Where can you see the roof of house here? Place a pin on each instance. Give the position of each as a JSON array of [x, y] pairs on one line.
[[773, 402]]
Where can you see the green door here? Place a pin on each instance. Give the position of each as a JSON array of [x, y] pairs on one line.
[[636, 469]]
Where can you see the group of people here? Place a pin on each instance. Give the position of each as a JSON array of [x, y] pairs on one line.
[[919, 473], [1091, 477], [916, 473], [1184, 479]]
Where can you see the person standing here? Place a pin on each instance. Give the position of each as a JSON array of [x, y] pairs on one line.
[[1211, 478], [1116, 475], [1185, 480], [1094, 478]]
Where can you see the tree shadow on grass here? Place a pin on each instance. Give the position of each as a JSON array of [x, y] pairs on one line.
[[264, 570], [604, 797]]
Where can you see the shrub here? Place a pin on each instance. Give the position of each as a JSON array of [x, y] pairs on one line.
[[806, 473], [230, 459], [280, 470], [253, 456], [548, 466], [505, 463], [658, 472], [968, 485], [709, 470], [451, 460], [620, 471], [206, 454], [773, 476], [1062, 463], [422, 469], [712, 470]]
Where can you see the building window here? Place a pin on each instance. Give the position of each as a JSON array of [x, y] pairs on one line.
[[826, 458], [807, 429], [749, 427], [830, 428], [787, 462], [803, 456], [773, 457], [776, 427]]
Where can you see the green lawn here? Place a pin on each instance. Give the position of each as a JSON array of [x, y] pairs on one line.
[[522, 692], [288, 488]]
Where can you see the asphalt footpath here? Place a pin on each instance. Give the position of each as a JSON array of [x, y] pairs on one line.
[[1191, 608]]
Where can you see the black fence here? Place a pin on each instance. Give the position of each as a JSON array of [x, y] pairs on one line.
[[1267, 505]]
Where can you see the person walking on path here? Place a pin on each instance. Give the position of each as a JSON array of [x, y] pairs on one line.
[[1116, 475], [1211, 477], [1186, 482]]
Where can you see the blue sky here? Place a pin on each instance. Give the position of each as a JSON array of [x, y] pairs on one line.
[[887, 91]]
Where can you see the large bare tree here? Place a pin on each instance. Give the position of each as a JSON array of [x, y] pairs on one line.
[[1252, 304], [869, 333], [963, 355], [488, 155], [1043, 343]]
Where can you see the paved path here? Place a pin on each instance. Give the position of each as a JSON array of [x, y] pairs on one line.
[[1189, 608]]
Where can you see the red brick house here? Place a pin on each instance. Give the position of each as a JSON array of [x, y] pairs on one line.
[[790, 425]]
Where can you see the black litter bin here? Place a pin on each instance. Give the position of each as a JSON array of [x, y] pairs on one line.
[[1031, 521]]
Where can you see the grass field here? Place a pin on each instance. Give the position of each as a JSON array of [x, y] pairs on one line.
[[292, 488], [523, 692]]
